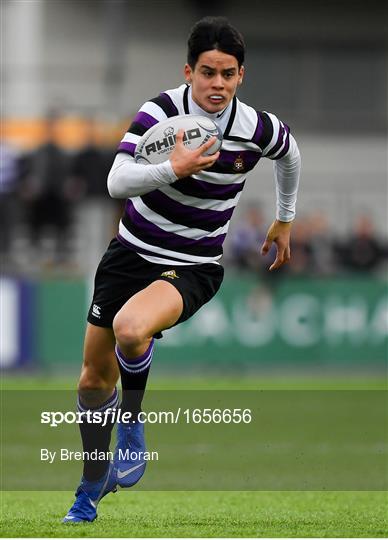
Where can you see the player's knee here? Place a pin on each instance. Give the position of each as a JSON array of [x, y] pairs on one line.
[[129, 332]]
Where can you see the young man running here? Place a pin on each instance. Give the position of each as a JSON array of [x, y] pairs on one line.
[[163, 264]]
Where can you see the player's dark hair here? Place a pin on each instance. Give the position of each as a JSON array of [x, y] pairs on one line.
[[215, 33]]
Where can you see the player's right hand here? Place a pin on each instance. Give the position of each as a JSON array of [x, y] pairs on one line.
[[186, 162]]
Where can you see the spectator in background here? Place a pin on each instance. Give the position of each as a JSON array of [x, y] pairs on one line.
[[362, 251], [91, 166], [246, 239], [48, 193], [99, 213], [248, 235], [302, 251], [312, 247], [9, 207], [321, 245]]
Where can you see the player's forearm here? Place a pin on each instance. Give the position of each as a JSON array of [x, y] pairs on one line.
[[130, 179], [287, 172]]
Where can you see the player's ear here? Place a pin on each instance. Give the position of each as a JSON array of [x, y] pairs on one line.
[[187, 72], [241, 74]]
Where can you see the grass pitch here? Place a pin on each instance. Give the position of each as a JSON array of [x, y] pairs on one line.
[[133, 513], [201, 514]]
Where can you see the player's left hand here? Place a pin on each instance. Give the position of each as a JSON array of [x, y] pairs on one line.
[[279, 232]]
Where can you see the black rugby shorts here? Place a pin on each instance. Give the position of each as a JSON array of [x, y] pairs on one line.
[[122, 273]]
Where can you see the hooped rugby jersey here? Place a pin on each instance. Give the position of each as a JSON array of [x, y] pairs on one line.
[[186, 222]]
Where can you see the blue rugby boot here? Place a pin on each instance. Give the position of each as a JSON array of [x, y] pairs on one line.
[[129, 455], [88, 495]]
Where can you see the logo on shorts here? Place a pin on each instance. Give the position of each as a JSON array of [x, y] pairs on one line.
[[171, 274], [238, 164], [96, 311]]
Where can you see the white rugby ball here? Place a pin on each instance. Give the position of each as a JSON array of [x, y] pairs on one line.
[[158, 142]]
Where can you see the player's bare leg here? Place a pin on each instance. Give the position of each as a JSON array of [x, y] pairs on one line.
[[100, 372], [151, 310]]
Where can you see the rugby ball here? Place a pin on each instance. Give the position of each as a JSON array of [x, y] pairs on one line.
[[158, 142]]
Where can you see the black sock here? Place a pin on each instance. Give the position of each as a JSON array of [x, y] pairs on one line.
[[134, 374], [96, 437]]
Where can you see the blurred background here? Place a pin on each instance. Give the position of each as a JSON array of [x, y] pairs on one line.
[[74, 72]]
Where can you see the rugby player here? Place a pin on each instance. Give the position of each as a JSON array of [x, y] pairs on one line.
[[164, 263]]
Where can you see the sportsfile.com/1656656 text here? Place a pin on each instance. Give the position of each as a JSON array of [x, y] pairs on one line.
[[187, 416]]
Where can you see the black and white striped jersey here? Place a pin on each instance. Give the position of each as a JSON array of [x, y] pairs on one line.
[[186, 222]]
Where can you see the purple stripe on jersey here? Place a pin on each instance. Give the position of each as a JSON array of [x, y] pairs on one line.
[[208, 220], [172, 107], [249, 158], [127, 147], [145, 119], [133, 247], [207, 190], [148, 232], [285, 149], [155, 253], [259, 130], [279, 142]]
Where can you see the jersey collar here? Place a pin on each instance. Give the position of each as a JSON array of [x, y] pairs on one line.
[[220, 118]]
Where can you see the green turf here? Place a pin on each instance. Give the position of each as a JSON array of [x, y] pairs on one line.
[[213, 382], [199, 513], [205, 514], [296, 440]]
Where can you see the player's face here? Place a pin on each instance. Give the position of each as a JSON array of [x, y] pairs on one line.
[[214, 80]]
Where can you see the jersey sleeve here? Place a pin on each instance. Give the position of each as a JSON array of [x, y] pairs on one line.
[[153, 111], [272, 136]]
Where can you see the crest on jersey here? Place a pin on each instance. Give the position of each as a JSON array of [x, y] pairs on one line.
[[171, 274], [238, 164]]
